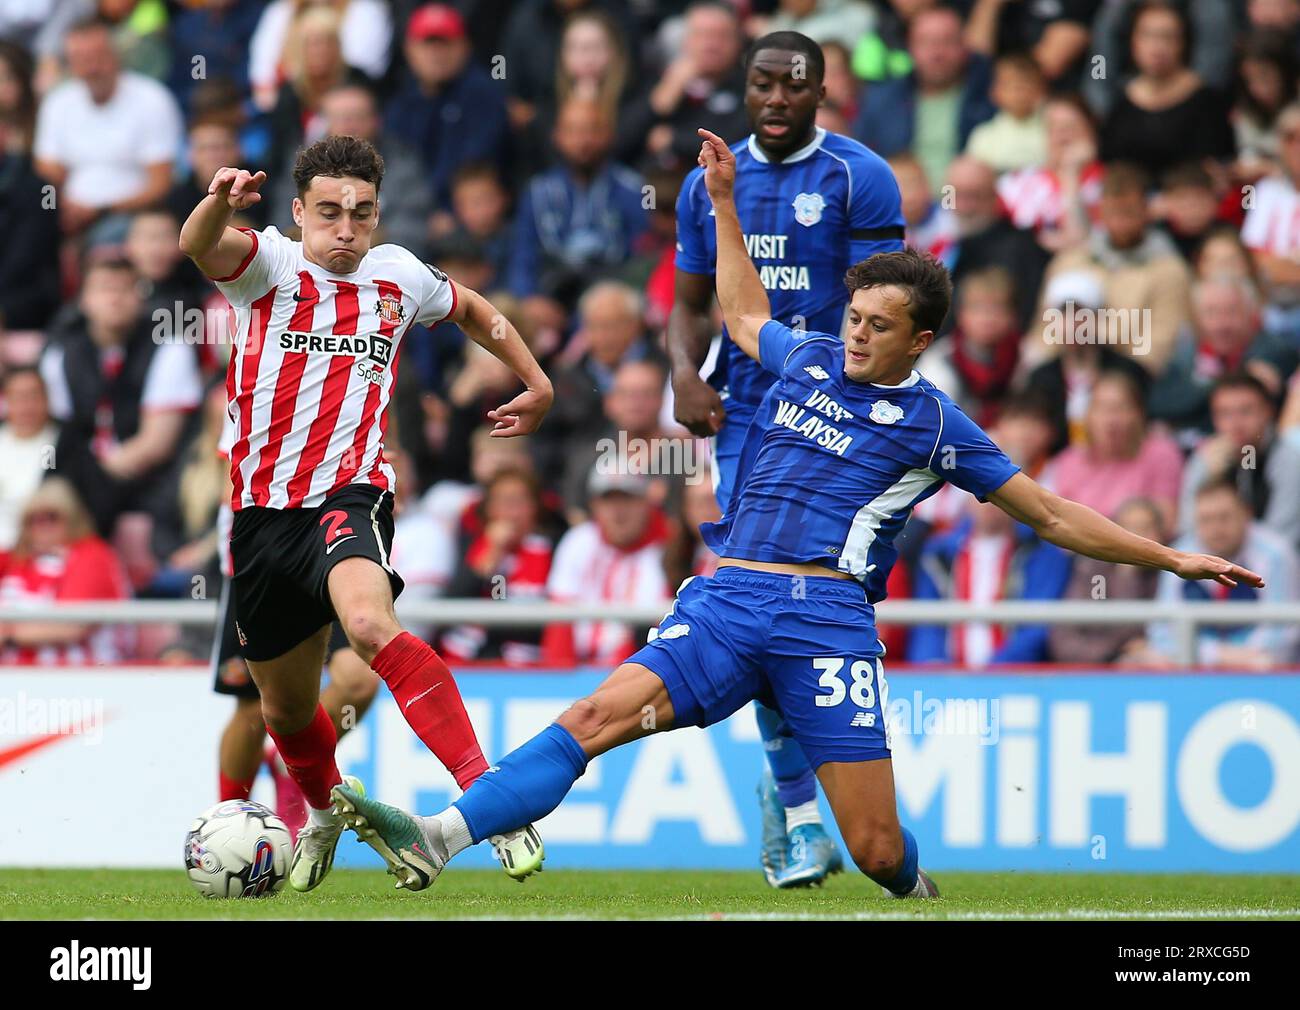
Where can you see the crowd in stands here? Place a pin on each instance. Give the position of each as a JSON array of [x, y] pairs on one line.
[[1113, 184]]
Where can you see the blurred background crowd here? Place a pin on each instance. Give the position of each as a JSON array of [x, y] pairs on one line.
[[1081, 166]]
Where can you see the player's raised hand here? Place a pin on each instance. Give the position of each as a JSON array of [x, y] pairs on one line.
[[237, 186], [1207, 566], [522, 414], [719, 165]]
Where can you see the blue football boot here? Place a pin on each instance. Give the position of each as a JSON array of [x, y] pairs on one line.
[[775, 842], [811, 858]]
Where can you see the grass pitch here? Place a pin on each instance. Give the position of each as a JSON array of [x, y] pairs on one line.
[[703, 894]]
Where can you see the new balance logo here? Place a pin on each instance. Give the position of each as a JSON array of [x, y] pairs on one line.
[[817, 372], [864, 719]]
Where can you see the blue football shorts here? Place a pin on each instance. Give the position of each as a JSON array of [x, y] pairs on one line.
[[805, 645]]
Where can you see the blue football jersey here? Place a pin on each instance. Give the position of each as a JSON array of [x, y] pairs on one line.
[[806, 220], [832, 467]]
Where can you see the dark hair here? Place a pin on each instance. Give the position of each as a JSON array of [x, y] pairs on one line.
[[1242, 379], [1222, 482], [338, 158], [1273, 48], [1178, 10], [472, 171], [924, 278], [1078, 103], [23, 116], [1019, 60], [1123, 178], [14, 371], [1188, 173], [794, 42]]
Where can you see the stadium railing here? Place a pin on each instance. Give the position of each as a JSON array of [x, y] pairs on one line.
[[1185, 619]]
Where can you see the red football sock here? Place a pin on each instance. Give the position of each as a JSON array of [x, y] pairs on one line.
[[233, 789], [427, 694], [309, 756]]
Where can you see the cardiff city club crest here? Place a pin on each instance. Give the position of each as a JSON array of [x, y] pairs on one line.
[[808, 208], [884, 412], [390, 309]]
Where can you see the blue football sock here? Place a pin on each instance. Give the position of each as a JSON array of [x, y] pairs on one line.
[[795, 782], [525, 786], [904, 880]]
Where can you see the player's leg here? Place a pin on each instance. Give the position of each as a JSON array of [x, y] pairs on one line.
[[698, 669], [861, 794], [352, 684], [526, 785], [797, 850], [239, 755]]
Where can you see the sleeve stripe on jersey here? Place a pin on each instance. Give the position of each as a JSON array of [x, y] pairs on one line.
[[804, 343], [247, 259], [451, 311], [937, 438], [876, 234]]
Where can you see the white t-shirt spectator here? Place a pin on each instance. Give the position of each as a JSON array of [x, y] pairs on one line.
[[1272, 225], [106, 148], [587, 569], [24, 462]]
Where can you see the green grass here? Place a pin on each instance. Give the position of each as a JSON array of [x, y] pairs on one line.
[[355, 894]]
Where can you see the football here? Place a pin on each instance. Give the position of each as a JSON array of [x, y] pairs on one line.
[[238, 849]]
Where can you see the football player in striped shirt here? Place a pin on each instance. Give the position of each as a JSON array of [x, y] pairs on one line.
[[847, 441], [319, 328]]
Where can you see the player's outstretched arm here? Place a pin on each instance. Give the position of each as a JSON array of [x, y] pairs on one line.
[[1080, 529], [741, 295], [489, 328], [206, 237]]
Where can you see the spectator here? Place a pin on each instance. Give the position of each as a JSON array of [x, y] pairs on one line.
[[1213, 27], [107, 138], [932, 110], [29, 259], [213, 144], [365, 31], [838, 22], [27, 439], [1266, 84], [1166, 113], [843, 90], [1245, 450], [974, 365], [479, 214], [1272, 231], [1025, 432], [582, 218], [986, 238], [219, 33], [1066, 380], [703, 85], [1055, 37], [1223, 254], [1121, 458], [1222, 526], [615, 557], [611, 332], [986, 558], [58, 558], [1015, 138], [1058, 199], [352, 110], [1099, 645], [931, 227], [508, 559], [17, 99], [1226, 336], [594, 64], [1146, 283], [123, 397], [632, 409], [447, 107], [172, 288], [1188, 206], [882, 53]]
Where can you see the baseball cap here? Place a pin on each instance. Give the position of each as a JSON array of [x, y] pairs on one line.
[[435, 21], [1078, 286], [603, 482]]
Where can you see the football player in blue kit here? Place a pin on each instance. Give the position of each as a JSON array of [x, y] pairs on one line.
[[847, 441], [811, 204]]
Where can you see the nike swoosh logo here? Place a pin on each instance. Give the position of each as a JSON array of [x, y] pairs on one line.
[[18, 751], [420, 695], [330, 548]]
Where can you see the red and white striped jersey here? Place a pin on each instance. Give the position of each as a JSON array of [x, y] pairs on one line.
[[312, 373]]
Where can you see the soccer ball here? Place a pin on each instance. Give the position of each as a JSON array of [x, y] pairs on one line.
[[238, 849]]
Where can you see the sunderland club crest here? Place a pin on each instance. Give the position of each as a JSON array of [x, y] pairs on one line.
[[390, 309], [808, 208]]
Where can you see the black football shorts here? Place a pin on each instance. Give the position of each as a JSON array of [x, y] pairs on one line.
[[282, 558]]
